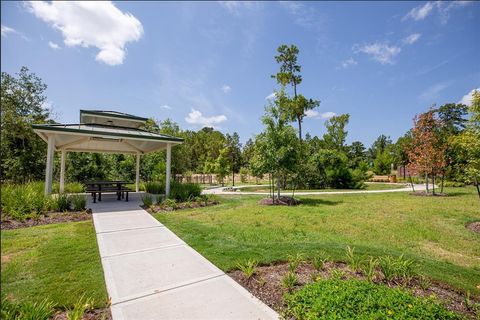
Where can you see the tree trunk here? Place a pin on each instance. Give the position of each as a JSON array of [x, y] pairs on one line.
[[278, 188], [233, 178], [411, 182], [426, 181], [299, 119], [476, 185], [433, 184], [443, 178]]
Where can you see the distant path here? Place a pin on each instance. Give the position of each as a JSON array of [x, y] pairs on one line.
[[219, 190]]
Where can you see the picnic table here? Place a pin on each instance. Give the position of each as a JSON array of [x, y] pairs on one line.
[[102, 186]]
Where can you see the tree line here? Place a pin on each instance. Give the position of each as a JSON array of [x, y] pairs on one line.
[[442, 144]]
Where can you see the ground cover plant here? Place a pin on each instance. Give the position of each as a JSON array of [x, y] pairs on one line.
[[430, 231], [57, 263]]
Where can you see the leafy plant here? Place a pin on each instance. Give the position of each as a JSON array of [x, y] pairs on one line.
[[147, 200], [170, 203], [290, 280], [356, 299], [424, 282], [248, 267], [397, 268], [294, 261], [79, 202], [154, 187], [337, 274], [22, 201], [79, 308], [353, 260], [184, 191], [159, 199], [42, 310], [369, 268], [61, 202], [319, 260]]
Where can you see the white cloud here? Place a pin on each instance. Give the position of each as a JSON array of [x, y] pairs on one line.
[[349, 62], [467, 99], [235, 6], [432, 92], [411, 39], [226, 88], [381, 52], [420, 12], [271, 96], [196, 117], [7, 31], [442, 7], [91, 24], [167, 107], [317, 115], [53, 45]]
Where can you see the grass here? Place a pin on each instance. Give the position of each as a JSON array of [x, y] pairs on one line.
[[369, 186], [57, 262], [429, 230]]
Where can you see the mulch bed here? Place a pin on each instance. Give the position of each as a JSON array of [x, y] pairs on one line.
[[282, 201], [473, 226], [266, 284], [95, 314], [49, 218]]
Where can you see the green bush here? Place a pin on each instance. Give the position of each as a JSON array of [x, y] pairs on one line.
[[248, 268], [170, 203], [79, 202], [147, 200], [184, 191], [397, 268], [72, 187], [27, 310], [454, 184], [155, 187], [60, 202], [356, 299], [22, 201]]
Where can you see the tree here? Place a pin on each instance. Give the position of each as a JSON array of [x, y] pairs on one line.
[[336, 133], [469, 143], [289, 74], [356, 154], [23, 153], [427, 151], [379, 146], [222, 167], [234, 153]]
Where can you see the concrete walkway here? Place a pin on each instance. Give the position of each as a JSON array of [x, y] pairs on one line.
[[402, 187], [152, 274]]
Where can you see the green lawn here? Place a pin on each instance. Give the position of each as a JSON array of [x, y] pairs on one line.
[[430, 230], [369, 186], [59, 262]]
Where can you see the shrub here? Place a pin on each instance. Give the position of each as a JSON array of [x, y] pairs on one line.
[[170, 203], [22, 201], [454, 184], [294, 261], [248, 267], [79, 202], [353, 260], [356, 299], [290, 280], [147, 200], [318, 261], [154, 187], [79, 309], [369, 267], [184, 191], [43, 310], [397, 268], [72, 187], [61, 202]]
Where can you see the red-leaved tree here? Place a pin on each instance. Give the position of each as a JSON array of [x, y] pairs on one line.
[[426, 153]]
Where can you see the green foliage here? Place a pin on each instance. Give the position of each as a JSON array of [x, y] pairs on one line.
[[369, 267], [355, 299], [184, 191], [79, 308], [353, 260], [319, 260], [398, 268], [22, 201], [222, 165], [294, 261], [147, 200], [11, 310], [73, 187], [248, 267], [154, 187], [290, 280], [61, 202], [79, 202], [170, 203], [454, 184]]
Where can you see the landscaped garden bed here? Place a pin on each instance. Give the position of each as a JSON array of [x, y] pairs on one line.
[[320, 289], [47, 218]]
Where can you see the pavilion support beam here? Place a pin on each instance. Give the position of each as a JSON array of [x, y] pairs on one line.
[[49, 169], [167, 176], [62, 170], [137, 174]]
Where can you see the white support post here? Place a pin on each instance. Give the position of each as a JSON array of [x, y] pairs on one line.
[[137, 174], [167, 177], [62, 170], [49, 170]]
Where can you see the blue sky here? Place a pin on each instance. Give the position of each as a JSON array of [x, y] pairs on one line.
[[209, 63]]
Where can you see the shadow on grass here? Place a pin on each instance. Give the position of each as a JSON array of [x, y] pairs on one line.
[[314, 202]]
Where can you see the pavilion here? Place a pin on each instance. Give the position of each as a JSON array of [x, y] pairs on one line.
[[104, 132]]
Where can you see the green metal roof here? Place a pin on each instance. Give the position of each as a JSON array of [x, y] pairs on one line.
[[112, 114], [105, 130]]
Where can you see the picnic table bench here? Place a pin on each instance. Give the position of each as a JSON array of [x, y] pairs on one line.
[[99, 187]]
